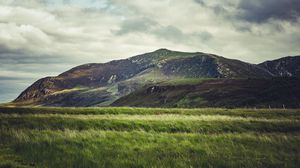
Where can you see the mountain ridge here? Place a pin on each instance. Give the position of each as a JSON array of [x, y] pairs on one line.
[[100, 84], [285, 66]]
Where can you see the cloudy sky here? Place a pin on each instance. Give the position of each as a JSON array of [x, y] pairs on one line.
[[41, 38]]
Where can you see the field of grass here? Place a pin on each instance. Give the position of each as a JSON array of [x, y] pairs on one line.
[[145, 137]]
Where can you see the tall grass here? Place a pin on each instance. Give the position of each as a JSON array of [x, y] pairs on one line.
[[264, 113], [145, 137], [92, 148], [158, 123]]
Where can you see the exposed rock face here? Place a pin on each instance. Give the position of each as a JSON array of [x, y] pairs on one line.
[[101, 84], [192, 67], [112, 79], [284, 67], [229, 68]]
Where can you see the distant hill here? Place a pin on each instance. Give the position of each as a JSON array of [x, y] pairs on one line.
[[110, 83], [283, 67]]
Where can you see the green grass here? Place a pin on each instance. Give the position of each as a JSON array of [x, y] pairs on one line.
[[145, 137], [184, 81], [161, 123], [263, 113]]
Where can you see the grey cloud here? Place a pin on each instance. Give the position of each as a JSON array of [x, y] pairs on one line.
[[201, 2], [270, 28], [66, 1], [17, 56], [170, 32], [218, 9], [260, 11], [204, 36], [136, 25], [174, 34], [243, 28], [8, 78], [254, 12]]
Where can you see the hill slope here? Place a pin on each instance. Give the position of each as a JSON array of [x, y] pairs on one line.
[[232, 93], [286, 67], [102, 84]]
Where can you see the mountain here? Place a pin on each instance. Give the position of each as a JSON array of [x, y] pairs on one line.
[[229, 93], [286, 67], [105, 83]]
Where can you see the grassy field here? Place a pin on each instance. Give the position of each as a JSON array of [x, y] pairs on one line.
[[145, 137]]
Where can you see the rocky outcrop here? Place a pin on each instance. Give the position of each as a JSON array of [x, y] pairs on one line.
[[284, 67]]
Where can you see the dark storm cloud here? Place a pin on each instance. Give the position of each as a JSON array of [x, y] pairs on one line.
[[259, 11]]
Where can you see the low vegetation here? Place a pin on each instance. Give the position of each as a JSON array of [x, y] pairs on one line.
[[226, 93], [149, 137]]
